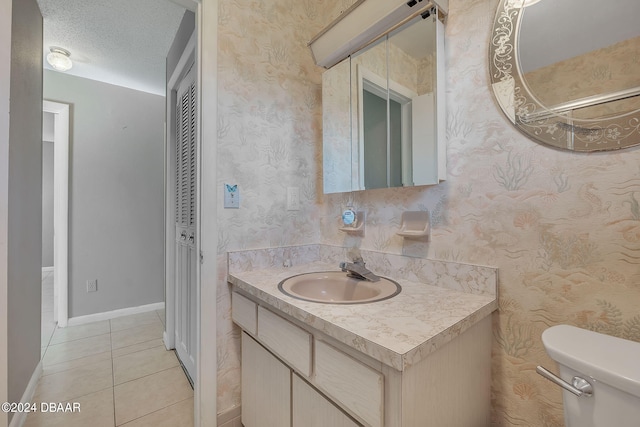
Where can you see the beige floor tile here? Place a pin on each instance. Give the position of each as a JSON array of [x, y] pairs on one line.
[[127, 322], [72, 333], [142, 363], [177, 415], [137, 347], [47, 328], [96, 410], [75, 363], [145, 395], [67, 385], [76, 349], [136, 335], [81, 362], [163, 318]]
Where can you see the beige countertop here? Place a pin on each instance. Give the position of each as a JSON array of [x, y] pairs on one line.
[[397, 332]]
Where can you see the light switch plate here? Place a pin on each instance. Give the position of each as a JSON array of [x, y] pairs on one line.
[[293, 198], [231, 196]]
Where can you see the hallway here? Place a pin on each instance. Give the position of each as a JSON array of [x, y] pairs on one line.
[[117, 370]]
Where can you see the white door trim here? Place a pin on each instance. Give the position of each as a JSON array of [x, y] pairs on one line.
[[207, 227], [60, 209]]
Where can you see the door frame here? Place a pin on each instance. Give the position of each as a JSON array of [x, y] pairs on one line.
[[206, 63], [184, 63], [207, 230], [61, 114]]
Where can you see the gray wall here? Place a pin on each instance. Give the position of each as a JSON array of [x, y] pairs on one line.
[[187, 25], [116, 193], [47, 189], [24, 222]]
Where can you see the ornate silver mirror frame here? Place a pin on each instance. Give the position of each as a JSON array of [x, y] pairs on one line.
[[553, 125]]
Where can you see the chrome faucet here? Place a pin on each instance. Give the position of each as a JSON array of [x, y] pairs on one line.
[[357, 270]]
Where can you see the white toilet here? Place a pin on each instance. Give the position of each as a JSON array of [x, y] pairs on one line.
[[611, 365]]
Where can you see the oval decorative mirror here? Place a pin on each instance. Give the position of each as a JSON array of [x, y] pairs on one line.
[[567, 73]]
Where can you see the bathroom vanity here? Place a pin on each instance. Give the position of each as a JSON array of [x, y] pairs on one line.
[[421, 358]]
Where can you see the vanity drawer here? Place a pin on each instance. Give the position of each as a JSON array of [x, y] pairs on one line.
[[244, 313], [355, 385], [291, 343]]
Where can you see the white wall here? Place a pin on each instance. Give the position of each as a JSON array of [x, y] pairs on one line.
[[116, 193], [20, 193], [48, 125]]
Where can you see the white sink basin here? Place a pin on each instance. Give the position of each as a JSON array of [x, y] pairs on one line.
[[335, 287]]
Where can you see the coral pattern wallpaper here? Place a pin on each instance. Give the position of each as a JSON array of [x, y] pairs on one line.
[[563, 228], [269, 138]]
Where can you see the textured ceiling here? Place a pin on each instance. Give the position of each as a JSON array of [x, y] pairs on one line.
[[122, 42]]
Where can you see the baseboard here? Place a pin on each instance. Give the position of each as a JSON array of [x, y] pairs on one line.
[[47, 269], [20, 417], [81, 320], [229, 416], [167, 341]]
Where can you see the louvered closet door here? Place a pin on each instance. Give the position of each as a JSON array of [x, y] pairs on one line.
[[186, 258]]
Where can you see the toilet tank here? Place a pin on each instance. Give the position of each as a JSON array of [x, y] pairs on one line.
[[610, 364]]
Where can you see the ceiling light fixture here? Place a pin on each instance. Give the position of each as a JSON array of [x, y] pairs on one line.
[[59, 59]]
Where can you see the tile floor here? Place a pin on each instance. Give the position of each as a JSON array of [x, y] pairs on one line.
[[117, 370]]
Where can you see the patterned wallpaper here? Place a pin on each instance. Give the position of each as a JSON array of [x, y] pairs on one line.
[[336, 128], [563, 228], [269, 138]]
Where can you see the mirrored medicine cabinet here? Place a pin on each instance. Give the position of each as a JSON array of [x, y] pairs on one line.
[[383, 111]]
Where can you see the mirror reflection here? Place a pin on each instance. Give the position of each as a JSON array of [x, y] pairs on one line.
[[336, 128], [390, 137], [369, 96], [597, 55], [568, 73]]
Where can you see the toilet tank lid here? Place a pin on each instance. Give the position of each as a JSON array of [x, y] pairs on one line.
[[614, 361]]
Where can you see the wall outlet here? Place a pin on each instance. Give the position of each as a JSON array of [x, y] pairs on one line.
[[293, 198], [92, 285]]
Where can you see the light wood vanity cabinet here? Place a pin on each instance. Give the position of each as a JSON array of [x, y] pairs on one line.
[[350, 382], [274, 396], [312, 409], [296, 376], [266, 387]]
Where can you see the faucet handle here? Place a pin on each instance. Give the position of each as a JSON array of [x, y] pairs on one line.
[[354, 254]]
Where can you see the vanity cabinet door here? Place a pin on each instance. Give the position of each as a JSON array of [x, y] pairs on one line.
[[311, 409], [266, 387], [357, 387]]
